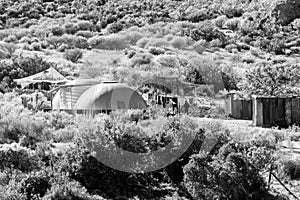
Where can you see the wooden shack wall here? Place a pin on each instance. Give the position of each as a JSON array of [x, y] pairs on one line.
[[237, 108], [275, 111]]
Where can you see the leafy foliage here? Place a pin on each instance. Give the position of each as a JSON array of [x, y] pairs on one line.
[[271, 80], [74, 55]]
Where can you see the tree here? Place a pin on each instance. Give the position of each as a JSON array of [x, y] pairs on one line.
[[194, 76], [229, 81], [8, 49], [271, 80]]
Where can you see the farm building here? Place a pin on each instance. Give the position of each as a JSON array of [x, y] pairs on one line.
[[88, 97], [42, 80]]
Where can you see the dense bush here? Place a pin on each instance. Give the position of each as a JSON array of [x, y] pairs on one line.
[[35, 185], [156, 42], [73, 55], [17, 157], [141, 59], [271, 80], [57, 30], [22, 66], [111, 42], [83, 26], [194, 76], [156, 50], [142, 42], [179, 42], [229, 178]]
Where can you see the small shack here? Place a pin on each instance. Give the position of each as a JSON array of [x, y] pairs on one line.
[[276, 111], [42, 80], [238, 108]]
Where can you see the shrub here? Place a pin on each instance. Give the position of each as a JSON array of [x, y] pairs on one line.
[[156, 50], [220, 21], [131, 53], [36, 46], [156, 42], [169, 37], [73, 55], [194, 76], [111, 42], [83, 25], [55, 41], [114, 27], [216, 43], [248, 58], [247, 26], [179, 42], [25, 39], [70, 28], [205, 30], [8, 49], [229, 178], [57, 30], [17, 157], [35, 185], [133, 37], [168, 61], [271, 80], [21, 66], [86, 34], [209, 71], [80, 42], [63, 47], [289, 168], [141, 59], [296, 24], [10, 39], [198, 15], [232, 24], [229, 80], [25, 46], [142, 42]]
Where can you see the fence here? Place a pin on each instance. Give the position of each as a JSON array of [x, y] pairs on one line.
[[238, 108], [276, 111]]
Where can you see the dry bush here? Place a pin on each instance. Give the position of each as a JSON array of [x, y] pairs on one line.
[[220, 21], [10, 38], [133, 36], [83, 25], [142, 42], [36, 46], [167, 61], [111, 42], [157, 42], [86, 34], [179, 42], [74, 55], [141, 59], [232, 23], [169, 37], [248, 58]]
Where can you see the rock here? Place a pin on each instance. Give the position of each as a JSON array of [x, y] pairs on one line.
[[285, 11]]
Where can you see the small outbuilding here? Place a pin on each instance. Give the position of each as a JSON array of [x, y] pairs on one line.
[[88, 97]]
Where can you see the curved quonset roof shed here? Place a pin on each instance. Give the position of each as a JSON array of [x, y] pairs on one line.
[[68, 94], [110, 96]]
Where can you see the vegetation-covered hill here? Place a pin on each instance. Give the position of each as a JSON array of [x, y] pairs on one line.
[[246, 45]]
